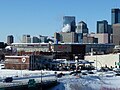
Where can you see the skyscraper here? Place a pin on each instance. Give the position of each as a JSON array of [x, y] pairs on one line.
[[35, 39], [115, 16], [43, 38], [69, 37], [102, 26], [116, 34], [82, 28], [10, 39], [69, 21], [26, 39]]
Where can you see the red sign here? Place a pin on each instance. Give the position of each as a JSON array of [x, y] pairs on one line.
[[62, 47]]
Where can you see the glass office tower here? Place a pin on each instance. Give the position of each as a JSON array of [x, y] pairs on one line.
[[10, 39], [70, 20], [102, 26], [82, 28], [115, 16]]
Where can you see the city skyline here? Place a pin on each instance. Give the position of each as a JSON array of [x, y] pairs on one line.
[[45, 18]]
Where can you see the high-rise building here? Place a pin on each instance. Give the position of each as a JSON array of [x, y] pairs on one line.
[[116, 34], [102, 37], [43, 38], [69, 21], [57, 37], [10, 39], [104, 30], [110, 34], [102, 26], [82, 28], [115, 16], [66, 37], [26, 39], [79, 37], [89, 39], [35, 40]]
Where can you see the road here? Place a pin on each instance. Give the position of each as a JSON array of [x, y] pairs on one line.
[[24, 80]]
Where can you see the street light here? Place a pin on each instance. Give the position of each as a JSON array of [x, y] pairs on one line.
[[101, 66], [98, 62], [96, 59], [66, 62]]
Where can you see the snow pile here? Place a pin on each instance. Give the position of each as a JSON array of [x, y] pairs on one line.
[[89, 83], [97, 81]]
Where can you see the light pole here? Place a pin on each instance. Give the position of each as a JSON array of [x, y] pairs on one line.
[[98, 62], [66, 63], [21, 69], [76, 61], [101, 66], [96, 59]]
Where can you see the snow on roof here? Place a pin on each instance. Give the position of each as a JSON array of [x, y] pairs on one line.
[[28, 43], [17, 56], [80, 62]]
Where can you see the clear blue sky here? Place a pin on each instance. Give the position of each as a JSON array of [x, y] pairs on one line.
[[44, 17]]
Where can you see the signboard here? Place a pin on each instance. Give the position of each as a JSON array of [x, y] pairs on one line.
[[117, 63], [23, 60], [62, 48]]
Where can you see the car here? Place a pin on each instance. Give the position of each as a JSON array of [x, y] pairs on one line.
[[8, 79], [60, 75]]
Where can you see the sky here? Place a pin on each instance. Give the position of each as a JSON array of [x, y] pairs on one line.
[[44, 17]]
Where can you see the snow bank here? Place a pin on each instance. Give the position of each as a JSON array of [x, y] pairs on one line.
[[97, 81], [89, 83]]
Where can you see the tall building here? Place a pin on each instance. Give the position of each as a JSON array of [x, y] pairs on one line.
[[79, 37], [43, 38], [69, 21], [116, 34], [66, 37], [57, 37], [102, 26], [35, 40], [10, 39], [102, 37], [89, 39], [110, 34], [115, 16], [110, 30], [82, 28], [26, 39]]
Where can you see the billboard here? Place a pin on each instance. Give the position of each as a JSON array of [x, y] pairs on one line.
[[62, 47], [73, 48], [78, 49]]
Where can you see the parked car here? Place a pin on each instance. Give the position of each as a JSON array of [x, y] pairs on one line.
[[60, 75], [8, 79]]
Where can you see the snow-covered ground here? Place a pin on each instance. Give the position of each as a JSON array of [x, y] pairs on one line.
[[24, 73], [97, 81], [89, 82], [21, 77]]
